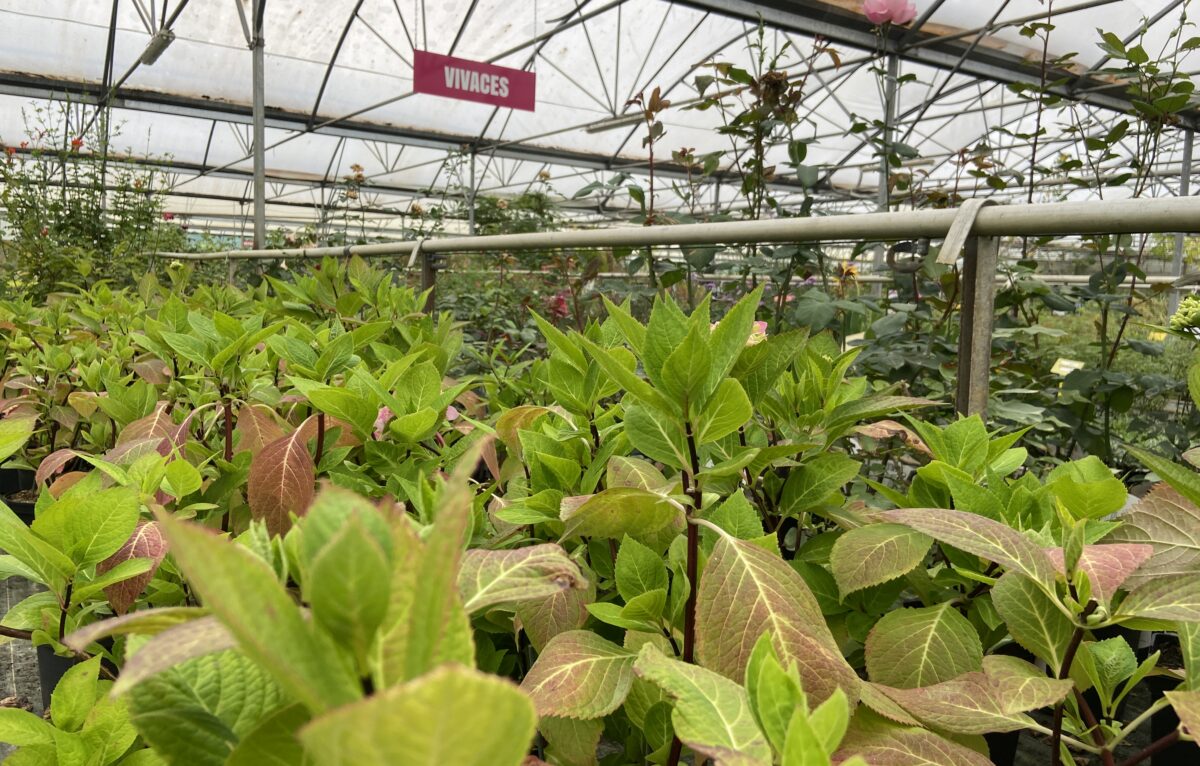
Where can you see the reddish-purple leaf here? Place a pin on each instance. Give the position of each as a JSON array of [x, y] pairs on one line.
[[1107, 566], [64, 482], [256, 428], [282, 479], [153, 371], [146, 542], [127, 452], [1170, 524], [52, 464]]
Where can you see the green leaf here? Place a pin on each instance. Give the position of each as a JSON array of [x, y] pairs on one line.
[[712, 714], [22, 728], [91, 526], [875, 554], [147, 622], [814, 482], [728, 338], [747, 591], [657, 436], [173, 646], [774, 693], [685, 371], [449, 716], [1186, 482], [273, 742], [615, 513], [489, 578], [1033, 620], [983, 537], [579, 675], [571, 742], [1187, 707], [639, 569], [883, 743], [347, 406], [1170, 597], [908, 648], [633, 472], [195, 713], [245, 594], [51, 565], [183, 478], [347, 587], [726, 412], [14, 432]]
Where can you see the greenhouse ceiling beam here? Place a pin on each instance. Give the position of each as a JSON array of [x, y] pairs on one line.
[[941, 51], [28, 86]]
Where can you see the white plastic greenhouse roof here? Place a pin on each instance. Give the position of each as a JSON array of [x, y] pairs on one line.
[[338, 83]]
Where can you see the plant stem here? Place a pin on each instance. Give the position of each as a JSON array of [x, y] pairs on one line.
[[1136, 723], [1089, 718], [320, 437], [1155, 747], [227, 417], [16, 633], [692, 488], [1064, 672], [66, 604]]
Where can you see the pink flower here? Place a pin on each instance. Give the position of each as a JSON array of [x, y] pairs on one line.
[[889, 11], [381, 421], [758, 334]]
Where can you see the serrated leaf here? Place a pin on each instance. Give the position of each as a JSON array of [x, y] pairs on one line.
[[571, 742], [726, 412], [244, 593], [1170, 597], [449, 716], [74, 695], [983, 537], [639, 569], [273, 742], [645, 516], [146, 542], [282, 480], [814, 482], [171, 647], [347, 587], [876, 554], [579, 675], [1170, 524], [746, 591], [882, 743], [147, 622], [774, 693], [1107, 566], [1187, 707], [712, 714], [256, 428], [1032, 618], [908, 648], [566, 610], [490, 578]]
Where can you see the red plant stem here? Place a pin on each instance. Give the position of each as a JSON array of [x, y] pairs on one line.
[[1064, 672], [227, 417], [16, 633], [691, 487], [1154, 748], [320, 437], [676, 751], [1085, 710], [66, 604]]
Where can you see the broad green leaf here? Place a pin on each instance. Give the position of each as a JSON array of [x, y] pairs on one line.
[[174, 646], [449, 716], [657, 436], [347, 587], [746, 591], [965, 705], [195, 713], [579, 675], [1184, 480], [685, 371], [830, 720], [983, 537], [347, 406], [22, 728], [1033, 620], [90, 527], [633, 472], [51, 566], [774, 693], [615, 513], [489, 578], [73, 697], [639, 569], [726, 412], [571, 742], [1110, 662], [728, 338], [1170, 597], [244, 593], [813, 483], [1170, 524], [876, 554], [1091, 499], [14, 432], [908, 648], [273, 742], [712, 714], [565, 610], [803, 747]]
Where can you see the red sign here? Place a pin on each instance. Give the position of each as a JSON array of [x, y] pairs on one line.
[[447, 76]]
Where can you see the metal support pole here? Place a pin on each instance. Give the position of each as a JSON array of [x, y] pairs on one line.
[[885, 171], [1185, 190], [471, 198], [260, 132], [429, 280], [975, 328]]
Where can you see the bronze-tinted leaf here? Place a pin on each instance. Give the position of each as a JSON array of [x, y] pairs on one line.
[[146, 542], [156, 425], [1107, 566], [282, 480], [52, 464], [882, 743], [256, 428], [1170, 524], [488, 578]]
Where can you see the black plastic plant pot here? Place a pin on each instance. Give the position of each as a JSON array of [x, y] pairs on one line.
[[51, 669], [1165, 721], [22, 508], [14, 480]]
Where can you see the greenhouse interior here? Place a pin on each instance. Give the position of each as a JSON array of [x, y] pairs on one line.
[[599, 383]]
